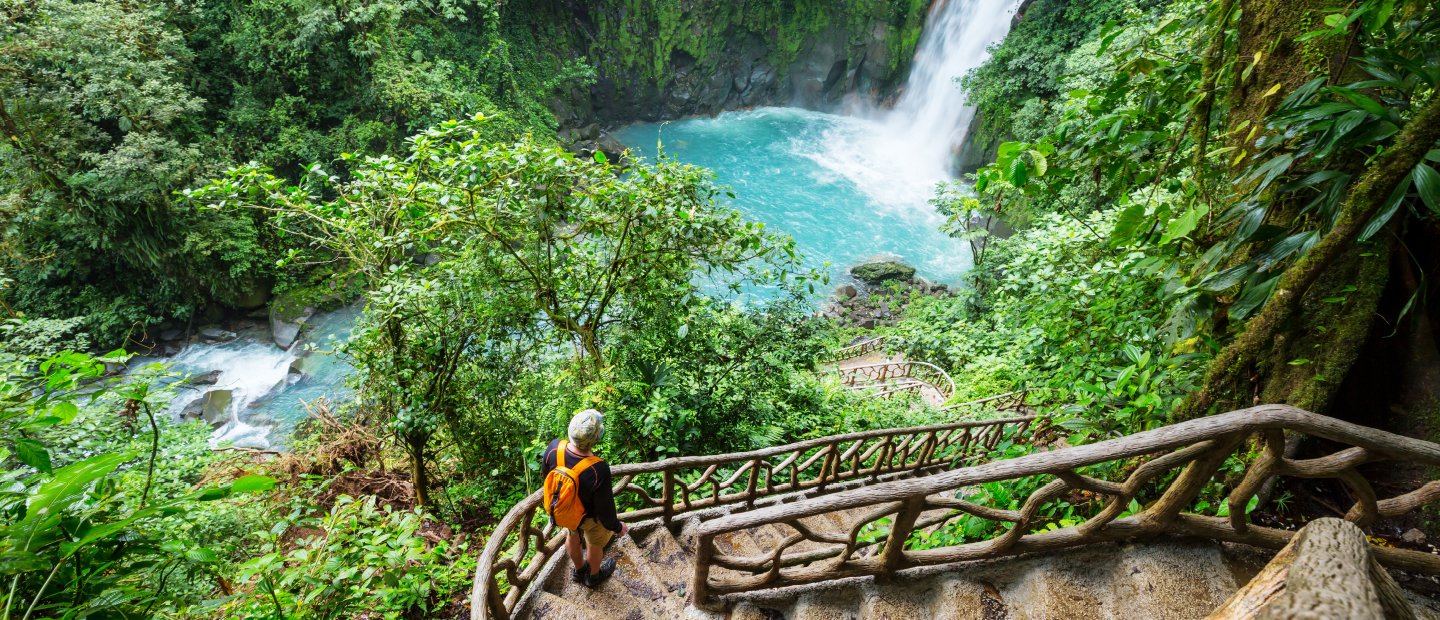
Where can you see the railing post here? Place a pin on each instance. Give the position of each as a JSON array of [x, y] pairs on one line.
[[752, 484], [899, 533], [1187, 486], [700, 580], [828, 466], [667, 496]]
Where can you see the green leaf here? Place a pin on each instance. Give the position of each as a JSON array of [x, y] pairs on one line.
[[66, 411], [1361, 100], [1388, 210], [1128, 224], [31, 453], [253, 482], [1251, 298], [1298, 362], [1222, 280], [600, 157], [48, 502], [1184, 225], [1427, 184], [1018, 173], [1041, 165]]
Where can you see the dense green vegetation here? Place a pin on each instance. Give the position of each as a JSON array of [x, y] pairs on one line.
[[1215, 203]]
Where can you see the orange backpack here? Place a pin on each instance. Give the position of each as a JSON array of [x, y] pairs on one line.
[[562, 489]]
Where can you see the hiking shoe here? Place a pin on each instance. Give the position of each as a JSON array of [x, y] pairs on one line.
[[579, 574], [607, 568]]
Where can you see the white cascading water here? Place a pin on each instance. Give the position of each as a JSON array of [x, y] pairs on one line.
[[265, 398], [899, 155]]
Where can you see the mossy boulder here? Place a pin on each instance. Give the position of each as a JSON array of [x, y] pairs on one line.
[[882, 271]]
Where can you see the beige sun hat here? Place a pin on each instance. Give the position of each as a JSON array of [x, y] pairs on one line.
[[587, 428]]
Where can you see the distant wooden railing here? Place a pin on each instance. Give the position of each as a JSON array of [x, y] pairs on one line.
[[525, 540], [888, 378], [1009, 401], [859, 349], [899, 509]]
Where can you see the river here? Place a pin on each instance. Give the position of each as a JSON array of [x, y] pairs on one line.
[[848, 187]]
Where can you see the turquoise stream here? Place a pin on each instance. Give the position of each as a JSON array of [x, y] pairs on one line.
[[840, 185]]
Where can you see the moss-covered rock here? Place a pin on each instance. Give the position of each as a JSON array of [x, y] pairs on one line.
[[882, 271]]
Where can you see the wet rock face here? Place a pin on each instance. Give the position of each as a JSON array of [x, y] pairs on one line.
[[748, 69], [216, 334], [286, 330]]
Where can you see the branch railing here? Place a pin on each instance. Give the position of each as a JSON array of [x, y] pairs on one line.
[[859, 349], [510, 567], [887, 378], [907, 515], [1009, 401]]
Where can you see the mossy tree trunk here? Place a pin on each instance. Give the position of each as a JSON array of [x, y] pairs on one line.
[[1313, 308]]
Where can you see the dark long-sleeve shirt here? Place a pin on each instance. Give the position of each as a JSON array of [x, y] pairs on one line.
[[596, 494]]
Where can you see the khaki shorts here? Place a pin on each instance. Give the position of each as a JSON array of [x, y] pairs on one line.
[[595, 535]]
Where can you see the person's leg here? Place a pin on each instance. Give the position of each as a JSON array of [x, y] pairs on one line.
[[595, 555], [596, 537], [573, 549]]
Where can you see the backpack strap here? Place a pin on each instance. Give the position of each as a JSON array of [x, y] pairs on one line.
[[579, 468], [583, 465]]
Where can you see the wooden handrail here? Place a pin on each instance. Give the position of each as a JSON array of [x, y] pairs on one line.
[[853, 351], [877, 374], [1199, 446], [524, 540], [1326, 571]]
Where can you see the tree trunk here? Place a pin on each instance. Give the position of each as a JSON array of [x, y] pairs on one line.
[[418, 476]]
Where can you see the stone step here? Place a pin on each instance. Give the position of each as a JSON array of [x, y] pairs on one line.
[[669, 562], [834, 604], [549, 606], [634, 592]]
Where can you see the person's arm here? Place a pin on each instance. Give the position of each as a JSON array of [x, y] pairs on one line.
[[546, 464], [604, 500]]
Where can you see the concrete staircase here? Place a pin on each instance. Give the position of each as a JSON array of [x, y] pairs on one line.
[[1155, 580]]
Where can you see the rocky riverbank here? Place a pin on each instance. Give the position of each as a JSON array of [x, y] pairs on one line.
[[878, 298]]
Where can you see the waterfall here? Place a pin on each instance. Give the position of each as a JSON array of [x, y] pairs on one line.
[[898, 155], [931, 115]]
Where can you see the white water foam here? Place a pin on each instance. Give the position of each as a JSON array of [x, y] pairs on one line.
[[897, 156], [265, 398]]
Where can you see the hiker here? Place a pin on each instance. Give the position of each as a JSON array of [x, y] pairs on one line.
[[578, 497]]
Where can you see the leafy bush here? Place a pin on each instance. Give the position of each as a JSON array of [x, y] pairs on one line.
[[1063, 311], [87, 525], [358, 559]]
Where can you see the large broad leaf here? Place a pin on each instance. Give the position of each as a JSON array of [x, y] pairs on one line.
[[1184, 225], [1251, 298], [1282, 249], [1392, 205], [1267, 171], [31, 453], [1427, 183], [1128, 224], [253, 482], [1222, 280], [52, 499]]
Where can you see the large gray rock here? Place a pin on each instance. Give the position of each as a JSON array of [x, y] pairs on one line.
[[286, 330], [882, 271], [254, 293], [216, 334], [209, 378], [213, 407]]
